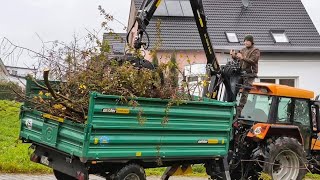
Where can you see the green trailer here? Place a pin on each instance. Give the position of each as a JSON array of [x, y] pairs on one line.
[[118, 140]]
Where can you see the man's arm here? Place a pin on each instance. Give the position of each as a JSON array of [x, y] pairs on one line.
[[254, 57]]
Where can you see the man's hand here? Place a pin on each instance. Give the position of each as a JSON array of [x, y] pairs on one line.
[[233, 53], [239, 56]]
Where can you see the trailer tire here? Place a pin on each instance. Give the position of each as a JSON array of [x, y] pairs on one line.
[[131, 172], [283, 153], [62, 176]]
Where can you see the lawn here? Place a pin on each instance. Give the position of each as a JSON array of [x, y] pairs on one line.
[[14, 156]]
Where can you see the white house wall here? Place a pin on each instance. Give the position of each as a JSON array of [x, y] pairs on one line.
[[304, 68], [306, 72], [22, 72]]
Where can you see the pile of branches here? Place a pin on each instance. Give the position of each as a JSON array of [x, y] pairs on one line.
[[70, 97]]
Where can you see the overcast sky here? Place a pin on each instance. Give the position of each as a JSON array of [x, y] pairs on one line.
[[22, 20]]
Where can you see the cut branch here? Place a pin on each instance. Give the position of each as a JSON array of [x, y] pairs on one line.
[[54, 95], [45, 88], [46, 82]]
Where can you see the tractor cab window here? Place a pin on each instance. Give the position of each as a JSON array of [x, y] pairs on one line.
[[301, 112], [302, 119], [257, 108], [284, 110], [294, 110]]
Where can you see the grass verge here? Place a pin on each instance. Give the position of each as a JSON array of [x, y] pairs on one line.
[[14, 156]]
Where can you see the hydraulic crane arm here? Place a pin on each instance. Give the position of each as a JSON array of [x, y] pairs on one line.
[[146, 12], [215, 74]]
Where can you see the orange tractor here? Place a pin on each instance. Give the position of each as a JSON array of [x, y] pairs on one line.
[[276, 133]]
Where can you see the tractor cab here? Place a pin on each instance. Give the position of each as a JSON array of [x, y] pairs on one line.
[[282, 108], [275, 103]]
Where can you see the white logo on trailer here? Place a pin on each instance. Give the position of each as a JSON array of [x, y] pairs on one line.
[[29, 123]]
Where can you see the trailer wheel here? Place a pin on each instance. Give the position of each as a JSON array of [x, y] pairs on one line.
[[61, 176], [285, 159], [131, 172]]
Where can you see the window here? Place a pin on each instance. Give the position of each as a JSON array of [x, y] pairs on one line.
[[288, 82], [283, 81], [301, 113], [203, 78], [232, 37], [279, 36], [14, 72], [174, 8], [186, 8], [195, 70], [161, 10], [192, 78], [257, 107], [314, 117], [284, 110], [268, 80], [302, 119], [118, 48]]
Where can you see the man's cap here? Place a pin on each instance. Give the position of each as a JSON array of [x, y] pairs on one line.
[[249, 38]]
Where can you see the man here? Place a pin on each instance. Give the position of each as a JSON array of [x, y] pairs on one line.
[[248, 57]]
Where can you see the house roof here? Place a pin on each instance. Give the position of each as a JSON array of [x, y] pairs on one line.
[[115, 37], [16, 67], [180, 33]]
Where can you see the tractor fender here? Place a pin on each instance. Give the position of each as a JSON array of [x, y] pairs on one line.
[[261, 131]]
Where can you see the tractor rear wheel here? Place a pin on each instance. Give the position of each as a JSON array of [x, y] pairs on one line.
[[285, 159]]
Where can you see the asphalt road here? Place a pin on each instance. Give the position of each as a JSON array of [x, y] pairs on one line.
[[51, 177]]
